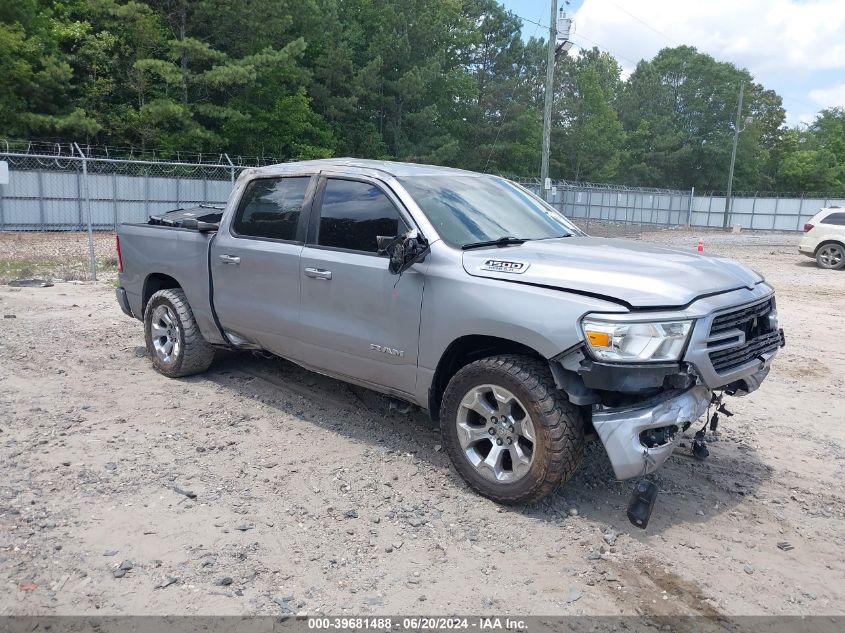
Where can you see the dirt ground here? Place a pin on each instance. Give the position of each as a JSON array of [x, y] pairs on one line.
[[54, 255], [312, 496]]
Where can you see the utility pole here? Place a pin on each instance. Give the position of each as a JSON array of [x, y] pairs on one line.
[[737, 130], [559, 43], [549, 98]]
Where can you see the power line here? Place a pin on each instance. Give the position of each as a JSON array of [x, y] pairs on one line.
[[545, 26], [513, 92], [604, 48], [576, 34], [645, 24]]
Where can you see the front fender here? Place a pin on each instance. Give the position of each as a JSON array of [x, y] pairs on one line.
[[458, 305]]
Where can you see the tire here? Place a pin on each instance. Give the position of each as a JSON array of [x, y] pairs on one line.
[[180, 350], [831, 256], [557, 427]]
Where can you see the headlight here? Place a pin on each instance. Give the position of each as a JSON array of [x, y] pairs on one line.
[[636, 342]]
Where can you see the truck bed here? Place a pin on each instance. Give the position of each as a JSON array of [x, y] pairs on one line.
[[172, 254]]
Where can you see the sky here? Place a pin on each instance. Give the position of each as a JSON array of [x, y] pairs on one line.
[[794, 47]]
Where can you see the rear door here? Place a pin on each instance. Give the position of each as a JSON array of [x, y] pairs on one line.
[[357, 319], [255, 263]]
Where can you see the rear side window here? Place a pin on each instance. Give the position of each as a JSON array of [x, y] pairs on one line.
[[354, 214], [834, 218], [271, 208]]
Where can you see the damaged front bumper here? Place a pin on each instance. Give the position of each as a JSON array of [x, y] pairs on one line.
[[640, 438]]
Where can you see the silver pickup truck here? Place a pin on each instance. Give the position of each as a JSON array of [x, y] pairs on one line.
[[462, 293]]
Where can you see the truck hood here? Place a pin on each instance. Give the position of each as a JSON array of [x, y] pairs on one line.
[[639, 274]]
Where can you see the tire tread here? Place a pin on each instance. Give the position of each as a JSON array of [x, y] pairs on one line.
[[197, 353], [564, 422]]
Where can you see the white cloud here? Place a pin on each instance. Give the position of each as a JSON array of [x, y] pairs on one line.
[[829, 97], [774, 39]]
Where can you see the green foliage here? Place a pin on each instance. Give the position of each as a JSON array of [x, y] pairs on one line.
[[444, 81]]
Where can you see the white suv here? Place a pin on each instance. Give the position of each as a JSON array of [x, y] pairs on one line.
[[824, 238]]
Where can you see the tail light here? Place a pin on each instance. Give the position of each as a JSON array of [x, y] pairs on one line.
[[119, 256], [807, 227]]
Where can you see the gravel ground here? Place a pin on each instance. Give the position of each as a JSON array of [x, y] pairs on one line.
[[260, 488], [54, 255]]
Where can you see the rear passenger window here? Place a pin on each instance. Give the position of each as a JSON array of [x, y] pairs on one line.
[[271, 208], [834, 218], [353, 214]]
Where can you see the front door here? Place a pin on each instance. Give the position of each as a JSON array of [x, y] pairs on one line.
[[357, 319], [255, 264]]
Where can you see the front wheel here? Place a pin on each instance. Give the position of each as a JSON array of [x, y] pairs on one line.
[[510, 433], [173, 338], [831, 256]]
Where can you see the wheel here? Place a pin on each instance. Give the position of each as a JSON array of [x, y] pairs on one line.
[[172, 336], [510, 433], [831, 256]]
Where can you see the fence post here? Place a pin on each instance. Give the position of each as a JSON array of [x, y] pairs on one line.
[[91, 256], [753, 208], [669, 212], [231, 169], [79, 213], [709, 209], [800, 209], [2, 210], [114, 197], [689, 207], [40, 180]]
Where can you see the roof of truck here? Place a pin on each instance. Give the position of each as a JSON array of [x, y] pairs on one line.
[[396, 169]]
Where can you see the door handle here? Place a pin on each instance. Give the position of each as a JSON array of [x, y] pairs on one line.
[[318, 273], [229, 259]]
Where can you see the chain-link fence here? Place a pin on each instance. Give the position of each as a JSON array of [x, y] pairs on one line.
[[63, 201], [57, 191], [616, 210]]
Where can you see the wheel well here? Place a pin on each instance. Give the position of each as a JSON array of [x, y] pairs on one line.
[[825, 243], [464, 351], [154, 283]]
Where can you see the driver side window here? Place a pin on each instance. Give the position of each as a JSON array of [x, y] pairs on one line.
[[353, 214]]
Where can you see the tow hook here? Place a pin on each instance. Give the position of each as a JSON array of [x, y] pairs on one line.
[[642, 501], [643, 497], [699, 447]]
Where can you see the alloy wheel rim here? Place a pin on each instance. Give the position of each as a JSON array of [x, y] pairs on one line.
[[496, 433], [831, 256], [165, 334]]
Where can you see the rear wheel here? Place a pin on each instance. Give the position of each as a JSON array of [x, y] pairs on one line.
[[511, 434], [831, 256], [173, 339]]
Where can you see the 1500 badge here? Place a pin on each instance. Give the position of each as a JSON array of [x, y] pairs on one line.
[[503, 266]]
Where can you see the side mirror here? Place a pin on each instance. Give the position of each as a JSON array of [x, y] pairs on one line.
[[404, 251]]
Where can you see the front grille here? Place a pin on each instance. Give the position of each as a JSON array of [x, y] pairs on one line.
[[737, 318], [760, 335]]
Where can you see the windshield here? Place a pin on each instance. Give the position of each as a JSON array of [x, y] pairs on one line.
[[470, 209]]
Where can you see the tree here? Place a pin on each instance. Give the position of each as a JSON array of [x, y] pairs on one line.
[[588, 138], [809, 159], [36, 98], [443, 81], [496, 119], [686, 101]]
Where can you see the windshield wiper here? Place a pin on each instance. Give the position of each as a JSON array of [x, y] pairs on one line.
[[501, 242]]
